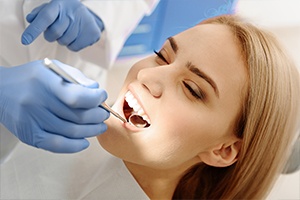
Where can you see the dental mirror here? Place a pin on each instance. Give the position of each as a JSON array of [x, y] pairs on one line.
[[138, 121]]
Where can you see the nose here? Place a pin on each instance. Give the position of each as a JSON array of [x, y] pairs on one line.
[[152, 80]]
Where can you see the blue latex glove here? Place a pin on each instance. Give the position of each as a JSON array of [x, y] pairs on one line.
[[68, 21], [44, 111]]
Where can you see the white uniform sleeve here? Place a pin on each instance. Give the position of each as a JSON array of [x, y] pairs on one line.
[[120, 17]]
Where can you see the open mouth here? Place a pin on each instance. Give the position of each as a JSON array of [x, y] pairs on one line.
[[134, 113]]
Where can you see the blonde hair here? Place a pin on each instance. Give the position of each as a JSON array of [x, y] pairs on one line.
[[267, 124]]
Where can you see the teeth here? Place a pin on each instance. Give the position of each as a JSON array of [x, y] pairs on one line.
[[133, 103]]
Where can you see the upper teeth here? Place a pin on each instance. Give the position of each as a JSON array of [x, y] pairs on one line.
[[133, 103]]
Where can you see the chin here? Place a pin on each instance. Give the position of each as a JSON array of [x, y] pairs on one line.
[[116, 136]]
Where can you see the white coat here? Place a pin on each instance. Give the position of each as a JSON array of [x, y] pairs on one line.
[[91, 174], [120, 17]]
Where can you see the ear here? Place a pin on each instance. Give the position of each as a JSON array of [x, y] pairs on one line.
[[222, 155]]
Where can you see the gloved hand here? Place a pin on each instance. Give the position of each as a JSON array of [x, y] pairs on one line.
[[68, 21], [44, 111]]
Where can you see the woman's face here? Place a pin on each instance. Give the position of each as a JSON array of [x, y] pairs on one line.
[[192, 95]]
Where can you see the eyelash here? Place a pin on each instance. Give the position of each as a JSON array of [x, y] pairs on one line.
[[160, 56], [200, 97]]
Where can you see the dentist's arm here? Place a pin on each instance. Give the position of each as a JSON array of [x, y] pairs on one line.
[[68, 22], [44, 111], [116, 20]]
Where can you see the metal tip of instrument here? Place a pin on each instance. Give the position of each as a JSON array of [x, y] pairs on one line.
[[106, 107]]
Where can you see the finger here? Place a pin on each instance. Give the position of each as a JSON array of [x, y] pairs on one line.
[[57, 29], [77, 96], [97, 20], [53, 124], [70, 34], [41, 22], [60, 144], [87, 36], [77, 75], [93, 85], [79, 116], [31, 16]]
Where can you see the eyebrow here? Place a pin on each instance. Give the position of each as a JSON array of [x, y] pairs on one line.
[[195, 69], [173, 44], [204, 76]]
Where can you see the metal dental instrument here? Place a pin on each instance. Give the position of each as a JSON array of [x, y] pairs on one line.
[[59, 71], [137, 121]]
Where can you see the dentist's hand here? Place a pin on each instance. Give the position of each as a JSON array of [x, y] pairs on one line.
[[67, 21], [44, 111]]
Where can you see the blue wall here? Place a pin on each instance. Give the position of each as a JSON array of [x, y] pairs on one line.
[[169, 18]]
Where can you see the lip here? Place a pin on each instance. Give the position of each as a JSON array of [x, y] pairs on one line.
[[131, 127]]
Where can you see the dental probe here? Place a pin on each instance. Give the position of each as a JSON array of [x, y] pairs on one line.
[[59, 71]]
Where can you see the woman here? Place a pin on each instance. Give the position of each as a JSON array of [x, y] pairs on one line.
[[221, 103]]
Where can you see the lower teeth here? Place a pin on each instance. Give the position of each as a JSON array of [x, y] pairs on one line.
[[138, 121]]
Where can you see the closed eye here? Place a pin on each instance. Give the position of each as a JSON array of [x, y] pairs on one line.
[[197, 94], [160, 56]]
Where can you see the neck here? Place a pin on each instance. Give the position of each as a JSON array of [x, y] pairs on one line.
[[157, 184]]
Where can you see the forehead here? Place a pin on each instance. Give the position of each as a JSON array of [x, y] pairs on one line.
[[212, 35]]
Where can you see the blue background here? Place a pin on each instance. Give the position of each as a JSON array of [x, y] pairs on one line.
[[169, 18]]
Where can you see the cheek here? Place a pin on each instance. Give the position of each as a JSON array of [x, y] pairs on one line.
[[191, 132], [177, 138]]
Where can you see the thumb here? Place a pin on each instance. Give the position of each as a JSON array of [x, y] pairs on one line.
[[59, 144], [77, 75]]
